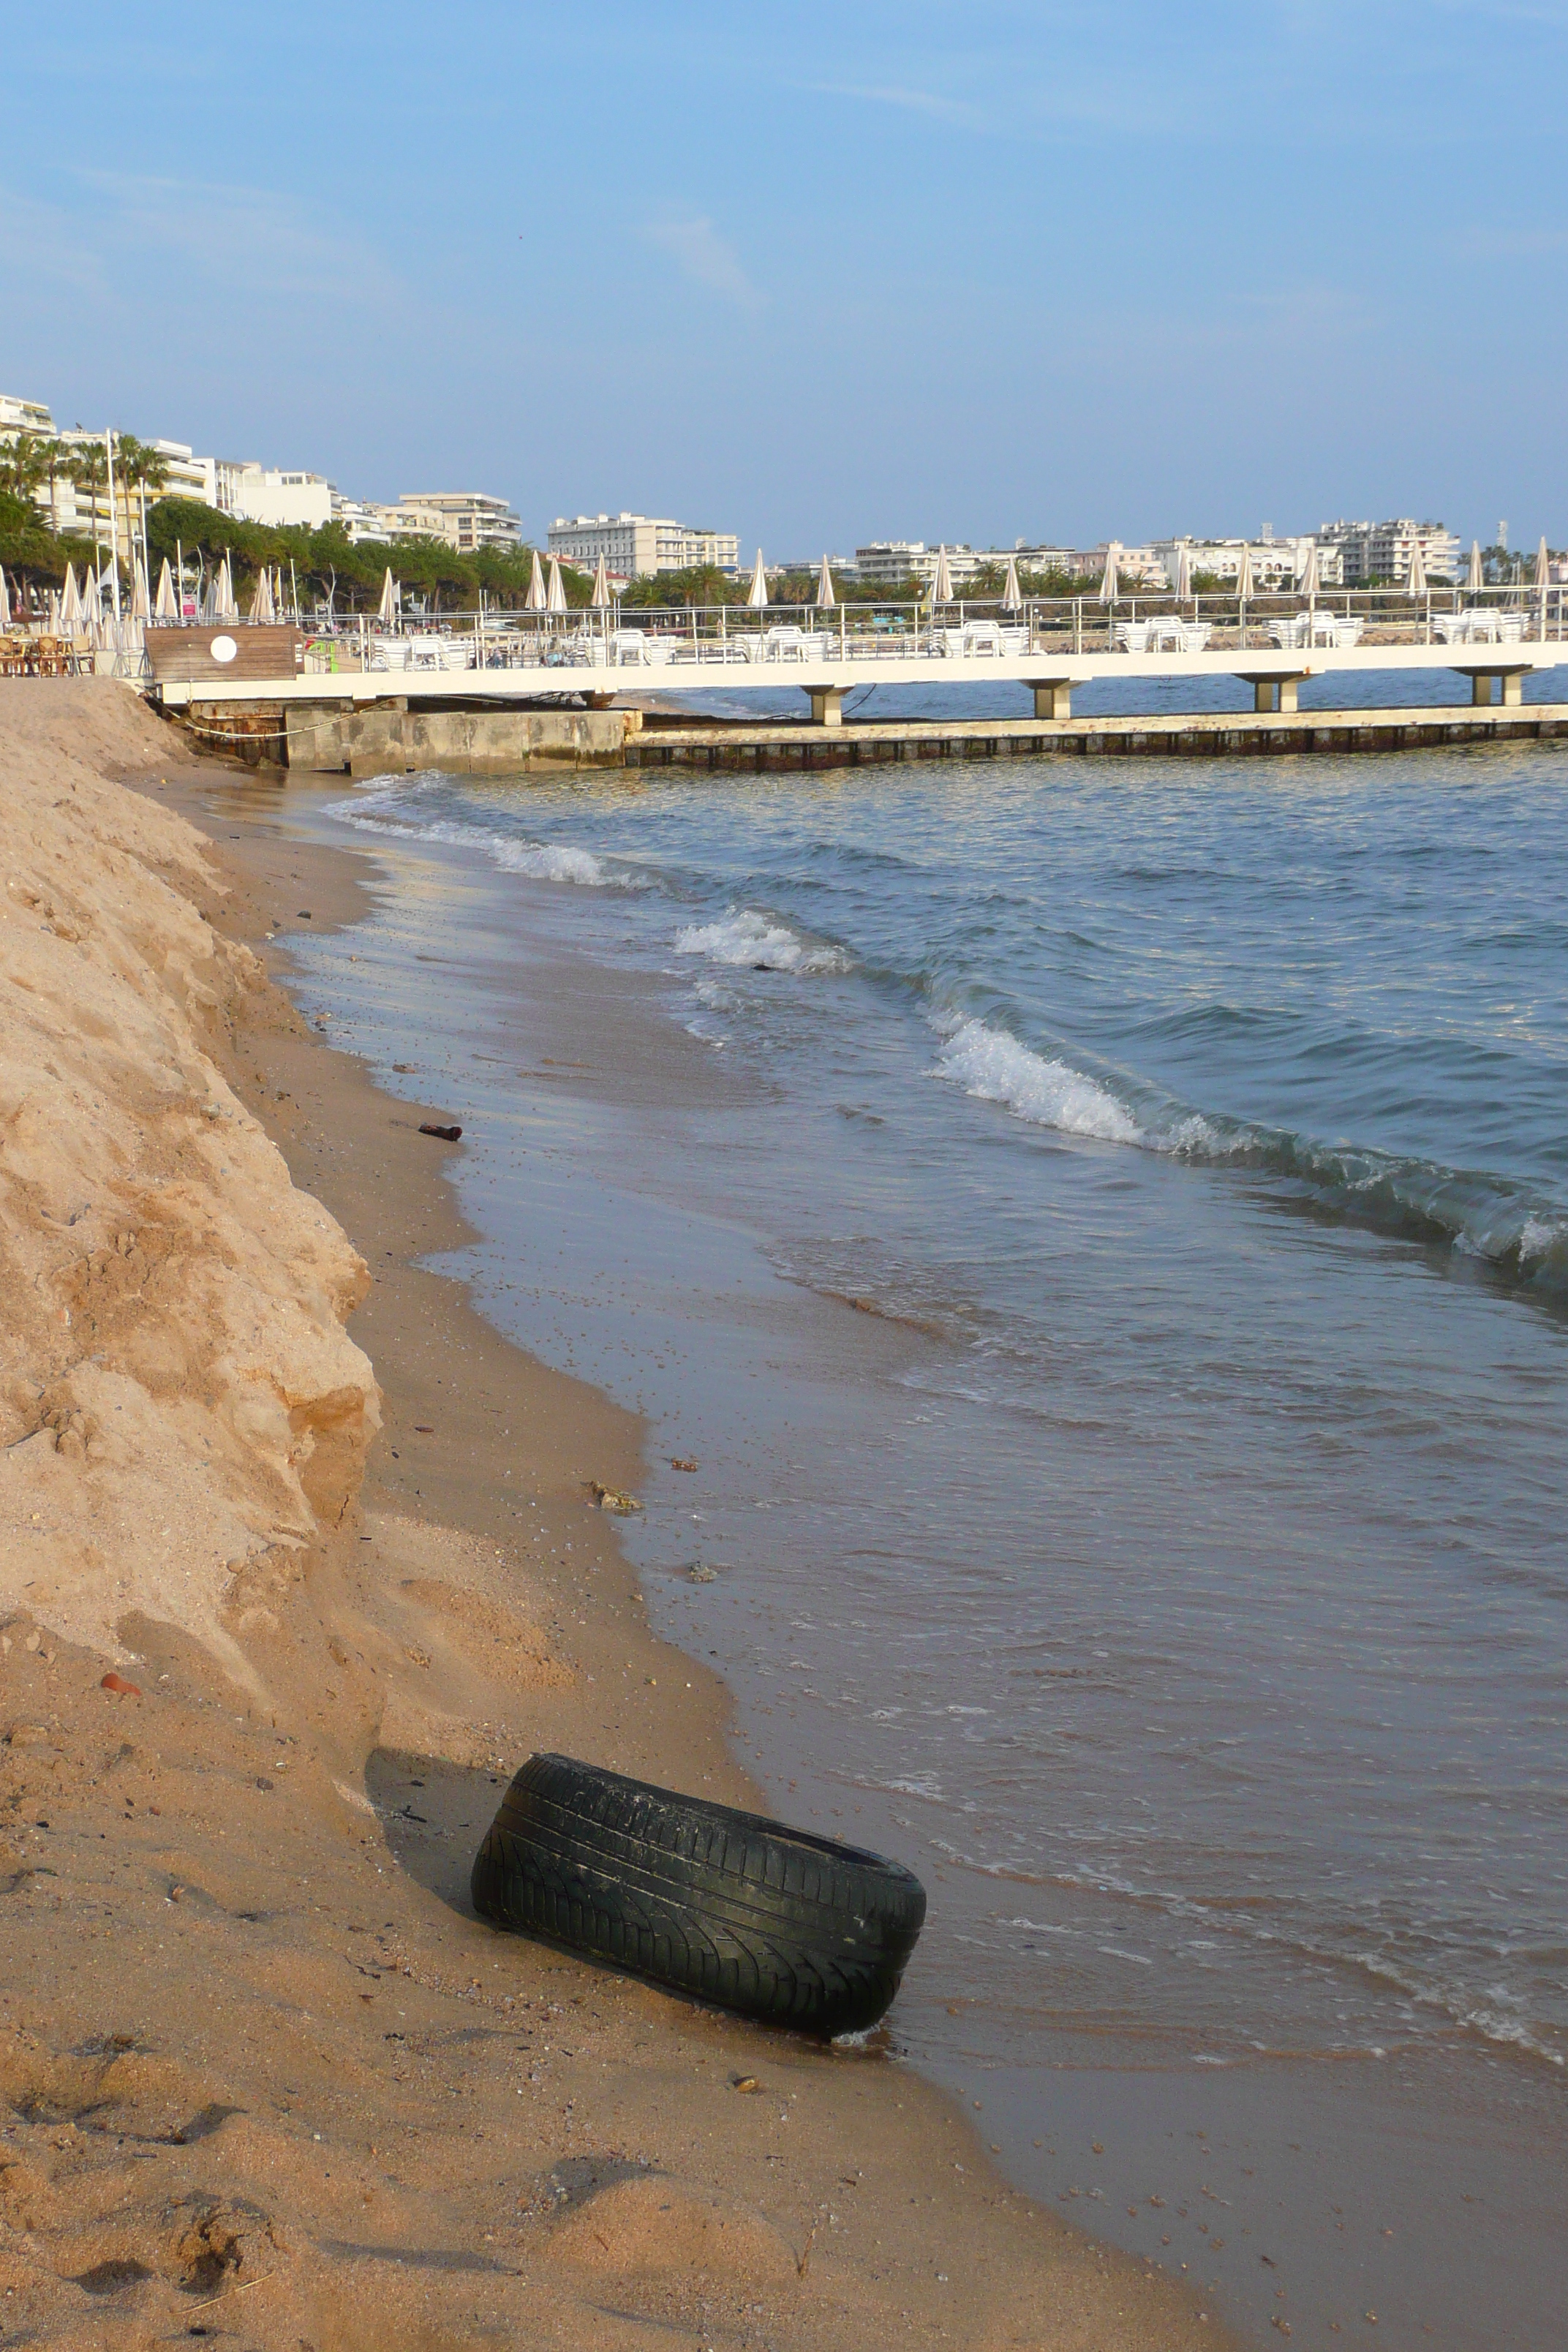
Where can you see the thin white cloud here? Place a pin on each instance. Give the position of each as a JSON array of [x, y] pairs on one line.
[[1511, 244], [254, 238], [236, 244], [695, 246], [914, 102]]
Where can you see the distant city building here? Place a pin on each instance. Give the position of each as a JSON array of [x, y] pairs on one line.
[[81, 509], [1276, 564], [261, 494], [466, 520], [886, 563], [1042, 558], [369, 519], [639, 545], [1382, 551], [23, 415]]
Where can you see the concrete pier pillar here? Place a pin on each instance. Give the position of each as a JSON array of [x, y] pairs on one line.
[[1510, 681], [1272, 693], [827, 705], [1053, 698]]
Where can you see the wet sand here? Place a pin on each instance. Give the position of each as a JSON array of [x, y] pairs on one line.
[[265, 2076]]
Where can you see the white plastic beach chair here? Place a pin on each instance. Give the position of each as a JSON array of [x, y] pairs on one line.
[[1290, 630]]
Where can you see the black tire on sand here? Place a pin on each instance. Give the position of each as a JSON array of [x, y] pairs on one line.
[[700, 1898]]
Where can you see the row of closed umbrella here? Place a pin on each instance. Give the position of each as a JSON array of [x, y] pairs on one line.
[[74, 611], [1308, 581]]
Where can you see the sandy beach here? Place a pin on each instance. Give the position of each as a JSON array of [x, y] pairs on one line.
[[265, 2076]]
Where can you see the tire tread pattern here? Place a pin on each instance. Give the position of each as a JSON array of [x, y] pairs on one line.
[[698, 1897]]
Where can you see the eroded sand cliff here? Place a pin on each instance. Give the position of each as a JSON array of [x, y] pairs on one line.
[[178, 1393]]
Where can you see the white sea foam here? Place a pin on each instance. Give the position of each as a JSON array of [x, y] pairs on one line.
[[552, 862], [381, 804], [1047, 1093], [746, 937]]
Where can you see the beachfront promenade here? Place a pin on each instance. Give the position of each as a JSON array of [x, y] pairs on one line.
[[1492, 640]]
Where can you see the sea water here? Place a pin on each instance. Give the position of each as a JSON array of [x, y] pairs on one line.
[[1101, 1230]]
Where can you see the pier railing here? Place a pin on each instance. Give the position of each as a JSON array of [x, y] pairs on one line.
[[623, 640]]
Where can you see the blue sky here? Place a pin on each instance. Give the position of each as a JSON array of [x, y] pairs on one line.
[[815, 273]]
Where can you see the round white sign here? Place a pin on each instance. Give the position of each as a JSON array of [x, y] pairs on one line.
[[223, 649]]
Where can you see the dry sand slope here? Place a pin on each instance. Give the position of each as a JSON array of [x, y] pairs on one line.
[[262, 2075]]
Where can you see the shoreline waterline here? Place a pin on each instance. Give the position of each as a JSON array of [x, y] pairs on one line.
[[1068, 2269], [556, 1327]]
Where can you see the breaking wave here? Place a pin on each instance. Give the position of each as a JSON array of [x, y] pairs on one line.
[[383, 805], [552, 862], [1513, 1230], [743, 936]]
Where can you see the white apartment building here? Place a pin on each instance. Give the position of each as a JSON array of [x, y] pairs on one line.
[[1382, 551], [466, 520], [889, 562], [258, 493], [368, 519], [639, 545], [82, 509], [1276, 564], [23, 415]]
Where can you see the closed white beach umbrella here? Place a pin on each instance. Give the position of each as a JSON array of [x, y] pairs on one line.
[[757, 594], [1111, 579], [57, 628], [223, 606], [92, 601], [1011, 595], [71, 605], [1542, 565], [534, 600], [262, 608], [601, 584], [555, 594], [826, 598], [1184, 580], [1416, 578], [140, 601], [165, 605], [387, 611], [5, 600], [1244, 574], [1474, 581], [1307, 580], [942, 583]]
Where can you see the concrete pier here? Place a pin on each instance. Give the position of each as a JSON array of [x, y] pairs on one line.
[[390, 739], [664, 743], [387, 740]]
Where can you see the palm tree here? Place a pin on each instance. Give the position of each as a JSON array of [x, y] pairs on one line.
[[52, 455], [24, 466], [88, 467], [143, 468]]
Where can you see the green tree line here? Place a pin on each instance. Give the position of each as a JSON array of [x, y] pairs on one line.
[[333, 569], [327, 565]]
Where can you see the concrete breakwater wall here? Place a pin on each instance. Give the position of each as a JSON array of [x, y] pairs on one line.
[[388, 736], [463, 741]]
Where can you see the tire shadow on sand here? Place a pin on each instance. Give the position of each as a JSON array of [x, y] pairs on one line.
[[435, 1814]]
